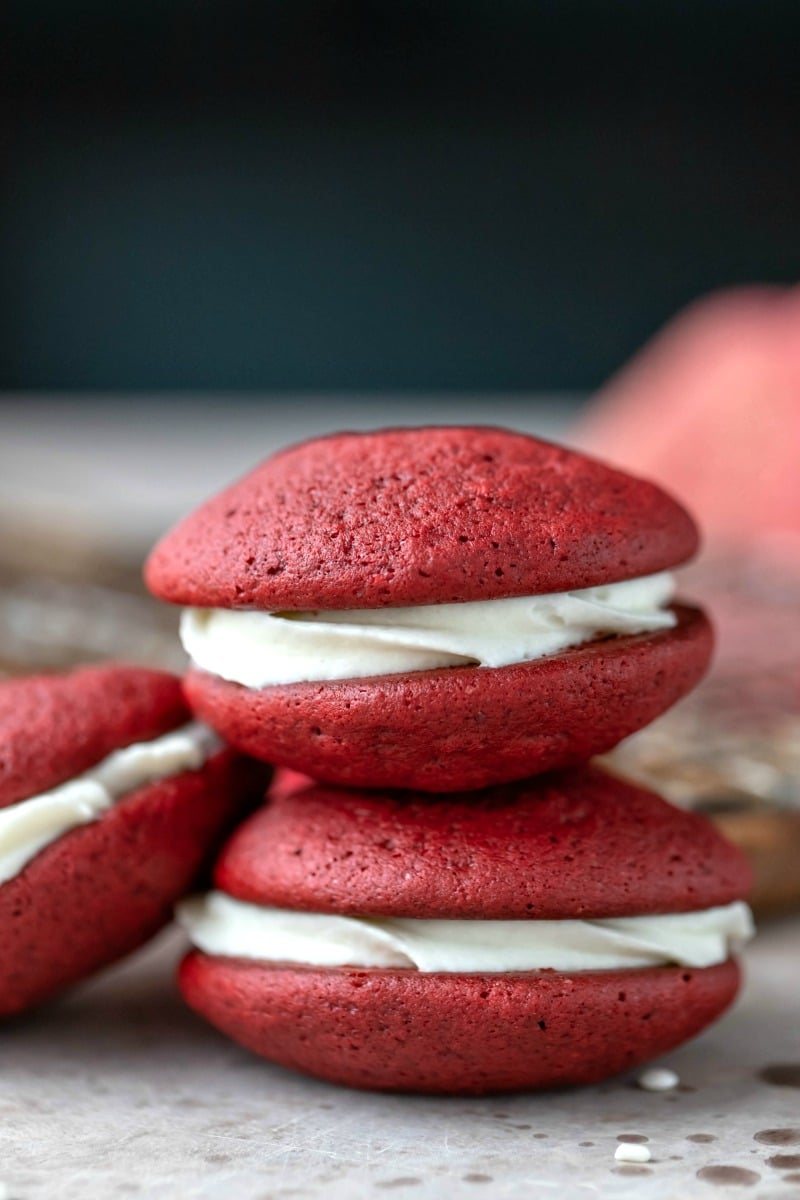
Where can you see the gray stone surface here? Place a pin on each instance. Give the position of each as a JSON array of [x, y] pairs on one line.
[[119, 1092]]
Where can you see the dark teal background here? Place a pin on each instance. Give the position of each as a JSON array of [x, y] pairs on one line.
[[471, 196]]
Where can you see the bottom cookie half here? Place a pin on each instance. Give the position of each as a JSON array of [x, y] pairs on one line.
[[406, 1031]]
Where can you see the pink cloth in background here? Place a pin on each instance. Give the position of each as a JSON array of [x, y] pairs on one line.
[[710, 409]]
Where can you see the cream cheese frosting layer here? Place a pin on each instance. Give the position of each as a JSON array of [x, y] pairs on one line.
[[259, 649], [219, 924], [30, 825]]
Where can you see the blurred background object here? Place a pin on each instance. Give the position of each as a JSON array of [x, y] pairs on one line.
[[711, 410]]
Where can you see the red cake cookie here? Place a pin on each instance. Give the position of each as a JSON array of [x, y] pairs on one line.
[[410, 607], [549, 932], [111, 800]]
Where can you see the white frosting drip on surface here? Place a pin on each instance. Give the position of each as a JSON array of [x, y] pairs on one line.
[[218, 924], [258, 649], [29, 825]]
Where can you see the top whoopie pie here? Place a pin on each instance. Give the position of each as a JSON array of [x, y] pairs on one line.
[[111, 799], [439, 608]]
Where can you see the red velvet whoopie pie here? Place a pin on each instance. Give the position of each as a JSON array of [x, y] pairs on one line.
[[438, 609], [111, 800], [544, 933]]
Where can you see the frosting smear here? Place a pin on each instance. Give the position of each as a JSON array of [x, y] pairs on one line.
[[219, 924], [260, 649], [29, 825]]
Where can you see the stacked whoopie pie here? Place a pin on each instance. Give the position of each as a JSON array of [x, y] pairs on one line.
[[111, 799], [416, 626]]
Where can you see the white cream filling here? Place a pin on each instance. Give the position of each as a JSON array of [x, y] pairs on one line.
[[258, 649], [29, 825], [218, 924]]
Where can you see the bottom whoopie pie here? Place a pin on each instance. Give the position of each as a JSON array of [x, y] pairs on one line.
[[549, 932], [111, 800]]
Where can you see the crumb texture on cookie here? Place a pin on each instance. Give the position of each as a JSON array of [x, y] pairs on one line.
[[418, 516], [581, 844], [54, 727], [403, 1031]]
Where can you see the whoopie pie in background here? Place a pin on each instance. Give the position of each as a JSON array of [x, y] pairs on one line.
[[537, 934], [437, 609], [111, 800]]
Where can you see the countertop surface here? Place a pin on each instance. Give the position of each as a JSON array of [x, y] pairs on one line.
[[116, 471], [119, 1091]]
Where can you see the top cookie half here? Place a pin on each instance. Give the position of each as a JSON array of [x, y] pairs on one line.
[[405, 517]]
